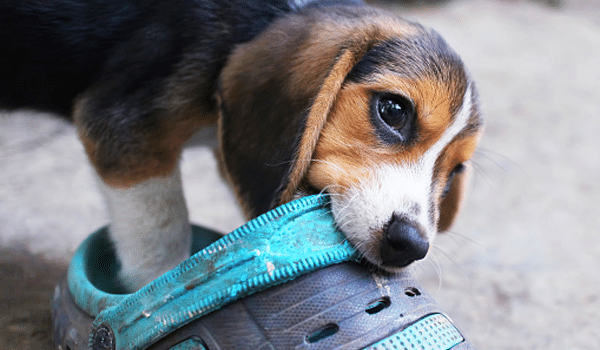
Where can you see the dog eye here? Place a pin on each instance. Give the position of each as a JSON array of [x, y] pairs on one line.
[[456, 171], [394, 118], [394, 111]]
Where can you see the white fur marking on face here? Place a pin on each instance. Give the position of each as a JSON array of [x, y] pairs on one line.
[[149, 227], [460, 121], [405, 189]]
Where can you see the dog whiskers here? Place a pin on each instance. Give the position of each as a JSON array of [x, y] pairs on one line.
[[454, 235], [326, 190], [336, 166], [343, 213], [485, 161], [489, 155], [452, 259], [438, 271]]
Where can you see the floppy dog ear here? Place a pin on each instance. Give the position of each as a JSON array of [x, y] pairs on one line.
[[454, 198], [274, 97], [316, 119]]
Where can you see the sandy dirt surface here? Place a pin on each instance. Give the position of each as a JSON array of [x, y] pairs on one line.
[[518, 271]]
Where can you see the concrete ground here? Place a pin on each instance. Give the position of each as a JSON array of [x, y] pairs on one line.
[[518, 271]]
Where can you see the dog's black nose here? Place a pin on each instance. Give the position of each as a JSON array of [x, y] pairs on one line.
[[403, 243]]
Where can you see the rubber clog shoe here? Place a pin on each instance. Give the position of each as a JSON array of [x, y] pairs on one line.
[[285, 280]]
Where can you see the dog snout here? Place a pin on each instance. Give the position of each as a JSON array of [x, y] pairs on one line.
[[403, 243]]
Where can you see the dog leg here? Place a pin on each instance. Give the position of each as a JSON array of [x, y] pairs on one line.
[[136, 156], [150, 227], [133, 130]]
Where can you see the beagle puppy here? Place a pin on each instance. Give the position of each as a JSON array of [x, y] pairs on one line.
[[310, 96]]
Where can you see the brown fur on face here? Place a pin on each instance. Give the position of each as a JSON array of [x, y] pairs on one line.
[[283, 85], [331, 65]]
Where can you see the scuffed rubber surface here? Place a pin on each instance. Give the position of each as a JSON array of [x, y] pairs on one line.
[[285, 280], [286, 316]]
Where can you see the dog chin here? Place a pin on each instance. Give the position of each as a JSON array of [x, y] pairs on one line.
[[375, 264]]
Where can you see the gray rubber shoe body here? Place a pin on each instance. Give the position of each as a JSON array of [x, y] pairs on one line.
[[285, 280]]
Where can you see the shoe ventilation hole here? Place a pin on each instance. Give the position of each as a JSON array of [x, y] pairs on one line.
[[378, 305], [323, 333], [412, 292]]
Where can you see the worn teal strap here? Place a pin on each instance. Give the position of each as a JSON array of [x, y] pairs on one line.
[[93, 257], [93, 270], [287, 242]]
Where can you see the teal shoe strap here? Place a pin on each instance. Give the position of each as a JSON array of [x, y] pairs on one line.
[[285, 243], [93, 270]]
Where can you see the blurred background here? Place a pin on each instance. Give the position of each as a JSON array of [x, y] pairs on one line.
[[518, 271]]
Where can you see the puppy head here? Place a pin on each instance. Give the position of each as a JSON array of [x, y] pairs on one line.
[[376, 111]]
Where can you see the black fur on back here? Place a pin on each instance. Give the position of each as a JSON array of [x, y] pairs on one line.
[[53, 50]]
